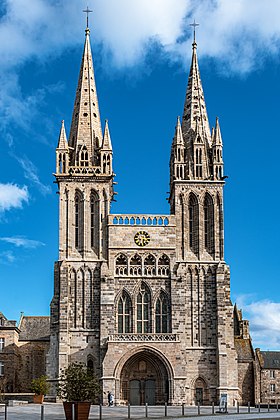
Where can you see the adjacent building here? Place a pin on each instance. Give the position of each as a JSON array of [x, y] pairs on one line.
[[23, 350]]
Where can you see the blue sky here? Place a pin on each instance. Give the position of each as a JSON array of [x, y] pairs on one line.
[[142, 52]]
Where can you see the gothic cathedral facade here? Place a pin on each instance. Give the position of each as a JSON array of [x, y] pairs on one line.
[[144, 300]]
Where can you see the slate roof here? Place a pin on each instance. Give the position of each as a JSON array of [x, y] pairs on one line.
[[270, 359], [34, 328]]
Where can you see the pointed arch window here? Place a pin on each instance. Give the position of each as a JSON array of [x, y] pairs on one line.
[[163, 265], [84, 161], [124, 314], [136, 265], [144, 310], [94, 212], [162, 314], [121, 268], [221, 230], [208, 224], [193, 223], [198, 163], [150, 265], [79, 220]]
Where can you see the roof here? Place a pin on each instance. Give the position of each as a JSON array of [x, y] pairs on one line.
[[5, 323], [270, 359], [244, 349], [34, 328]]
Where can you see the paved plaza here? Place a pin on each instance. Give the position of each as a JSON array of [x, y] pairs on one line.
[[55, 412]]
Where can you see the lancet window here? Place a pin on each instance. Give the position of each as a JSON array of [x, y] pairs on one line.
[[84, 161], [193, 223], [94, 219], [144, 309], [208, 224], [79, 219], [198, 163], [161, 313], [124, 314]]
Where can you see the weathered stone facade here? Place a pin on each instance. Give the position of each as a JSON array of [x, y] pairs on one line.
[[23, 350], [267, 384], [145, 299]]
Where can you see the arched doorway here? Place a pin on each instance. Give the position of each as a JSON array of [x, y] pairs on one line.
[[144, 380], [201, 392]]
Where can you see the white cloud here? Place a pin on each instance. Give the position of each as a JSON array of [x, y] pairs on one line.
[[21, 241], [238, 34], [7, 257], [12, 196], [264, 318], [31, 173]]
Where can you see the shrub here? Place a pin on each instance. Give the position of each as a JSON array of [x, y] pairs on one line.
[[77, 383], [39, 385]]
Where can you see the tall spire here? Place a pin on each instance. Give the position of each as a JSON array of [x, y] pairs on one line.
[[195, 108], [86, 129]]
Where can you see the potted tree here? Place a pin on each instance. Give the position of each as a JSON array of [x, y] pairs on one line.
[[40, 387], [79, 387]]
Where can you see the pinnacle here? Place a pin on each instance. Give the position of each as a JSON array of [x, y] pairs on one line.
[[62, 140], [106, 144]]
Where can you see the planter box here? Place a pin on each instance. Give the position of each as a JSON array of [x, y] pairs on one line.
[[82, 410]]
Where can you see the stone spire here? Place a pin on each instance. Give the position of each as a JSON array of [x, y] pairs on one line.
[[217, 137], [195, 114], [177, 159], [86, 132], [217, 152], [62, 152], [62, 140], [178, 138], [106, 143]]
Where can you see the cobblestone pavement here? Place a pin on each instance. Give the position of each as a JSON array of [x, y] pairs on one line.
[[55, 412]]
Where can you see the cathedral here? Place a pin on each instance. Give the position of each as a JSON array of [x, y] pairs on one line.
[[144, 300]]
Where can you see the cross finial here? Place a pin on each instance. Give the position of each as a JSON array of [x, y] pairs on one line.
[[194, 24], [87, 11]]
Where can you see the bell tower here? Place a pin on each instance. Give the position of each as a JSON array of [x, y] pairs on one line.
[[196, 200], [84, 176]]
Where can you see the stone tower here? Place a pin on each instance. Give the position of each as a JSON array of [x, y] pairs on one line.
[[144, 300], [84, 176]]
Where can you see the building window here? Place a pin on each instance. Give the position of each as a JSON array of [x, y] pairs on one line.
[[2, 344], [84, 157], [1, 368], [143, 310], [79, 216], [272, 372], [124, 314], [209, 224], [162, 314], [272, 387], [198, 166], [193, 223]]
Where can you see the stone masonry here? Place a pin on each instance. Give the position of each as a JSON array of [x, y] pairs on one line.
[[144, 299]]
